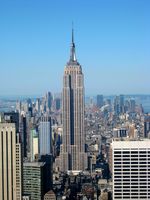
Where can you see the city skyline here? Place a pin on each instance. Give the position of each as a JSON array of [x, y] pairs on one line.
[[112, 43]]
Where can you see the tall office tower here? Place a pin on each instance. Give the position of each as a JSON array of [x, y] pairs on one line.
[[48, 171], [73, 156], [49, 100], [23, 133], [57, 104], [131, 170], [116, 105], [28, 127], [121, 98], [132, 105], [147, 126], [34, 144], [99, 101], [45, 136], [34, 180], [10, 163], [37, 105]]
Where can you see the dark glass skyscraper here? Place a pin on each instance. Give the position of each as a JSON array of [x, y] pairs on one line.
[[73, 156]]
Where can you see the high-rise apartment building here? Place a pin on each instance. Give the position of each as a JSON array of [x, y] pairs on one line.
[[131, 170], [10, 163], [73, 156], [45, 137]]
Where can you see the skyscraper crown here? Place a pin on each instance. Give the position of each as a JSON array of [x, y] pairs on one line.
[[72, 60]]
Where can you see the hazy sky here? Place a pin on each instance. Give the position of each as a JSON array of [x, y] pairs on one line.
[[112, 44]]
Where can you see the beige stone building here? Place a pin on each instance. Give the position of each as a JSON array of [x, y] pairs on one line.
[[10, 163]]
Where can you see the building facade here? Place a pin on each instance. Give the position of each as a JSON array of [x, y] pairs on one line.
[[73, 156], [131, 170], [33, 180], [10, 163]]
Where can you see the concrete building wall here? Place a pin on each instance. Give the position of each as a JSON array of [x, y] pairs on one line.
[[131, 169]]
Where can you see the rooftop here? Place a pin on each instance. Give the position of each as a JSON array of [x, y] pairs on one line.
[[34, 164], [124, 144]]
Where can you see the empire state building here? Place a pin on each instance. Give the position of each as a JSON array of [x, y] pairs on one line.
[[72, 154]]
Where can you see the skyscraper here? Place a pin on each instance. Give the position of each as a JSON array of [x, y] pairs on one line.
[[49, 100], [45, 147], [23, 133], [45, 138], [73, 156], [34, 146], [10, 163], [100, 101]]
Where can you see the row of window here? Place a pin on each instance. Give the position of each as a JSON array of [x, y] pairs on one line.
[[132, 169], [130, 177], [132, 187], [134, 197], [131, 152], [131, 191], [132, 156], [130, 183], [122, 162], [130, 194], [133, 173]]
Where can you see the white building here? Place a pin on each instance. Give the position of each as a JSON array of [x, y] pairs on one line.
[[131, 170], [34, 146]]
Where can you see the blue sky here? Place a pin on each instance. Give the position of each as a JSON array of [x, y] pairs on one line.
[[112, 44]]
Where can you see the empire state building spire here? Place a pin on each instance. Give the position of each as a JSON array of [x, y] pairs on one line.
[[72, 49]]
